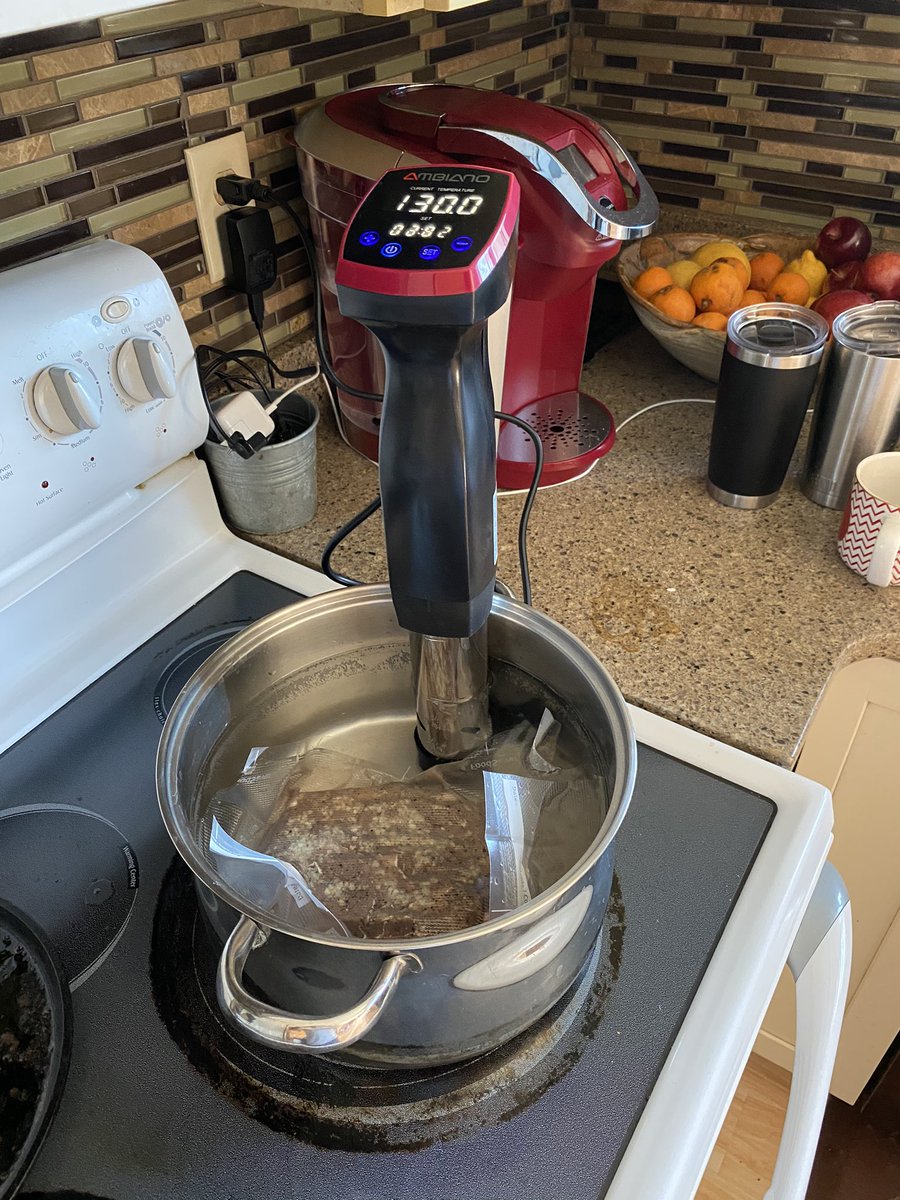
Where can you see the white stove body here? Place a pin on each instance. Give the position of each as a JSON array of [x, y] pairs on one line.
[[126, 535]]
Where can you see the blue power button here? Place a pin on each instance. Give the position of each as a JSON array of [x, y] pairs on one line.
[[369, 238], [429, 253], [391, 249], [460, 244]]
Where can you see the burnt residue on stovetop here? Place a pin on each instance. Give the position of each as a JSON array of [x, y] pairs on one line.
[[338, 1106]]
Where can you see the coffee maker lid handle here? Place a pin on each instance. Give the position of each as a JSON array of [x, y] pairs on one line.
[[597, 212]]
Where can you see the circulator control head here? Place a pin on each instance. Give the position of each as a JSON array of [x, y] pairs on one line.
[[430, 245], [426, 260]]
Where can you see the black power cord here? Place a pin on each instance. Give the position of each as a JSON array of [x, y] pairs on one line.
[[235, 190], [374, 506], [211, 367], [529, 499], [335, 541], [213, 370]]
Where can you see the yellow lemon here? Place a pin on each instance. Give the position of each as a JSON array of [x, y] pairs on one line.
[[812, 270], [683, 272], [705, 255]]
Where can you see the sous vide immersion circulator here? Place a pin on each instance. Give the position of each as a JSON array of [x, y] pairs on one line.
[[426, 260]]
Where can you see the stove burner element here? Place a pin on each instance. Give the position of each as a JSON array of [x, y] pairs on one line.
[[337, 1106], [74, 874], [186, 662]]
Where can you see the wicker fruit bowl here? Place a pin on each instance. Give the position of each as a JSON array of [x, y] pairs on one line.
[[699, 349]]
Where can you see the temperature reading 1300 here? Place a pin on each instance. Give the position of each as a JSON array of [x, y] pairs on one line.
[[443, 205]]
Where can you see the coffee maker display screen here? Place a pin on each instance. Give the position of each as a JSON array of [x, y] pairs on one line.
[[427, 218]]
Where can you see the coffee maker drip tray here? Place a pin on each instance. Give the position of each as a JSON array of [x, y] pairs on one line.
[[575, 429]]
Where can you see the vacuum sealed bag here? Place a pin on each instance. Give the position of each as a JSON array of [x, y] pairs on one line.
[[333, 844]]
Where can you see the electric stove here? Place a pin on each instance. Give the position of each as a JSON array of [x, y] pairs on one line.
[[119, 579]]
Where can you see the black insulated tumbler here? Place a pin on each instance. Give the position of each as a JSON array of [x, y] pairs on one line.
[[769, 369]]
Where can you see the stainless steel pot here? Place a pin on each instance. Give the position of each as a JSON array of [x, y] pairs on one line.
[[335, 671]]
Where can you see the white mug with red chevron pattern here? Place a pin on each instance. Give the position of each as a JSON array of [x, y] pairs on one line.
[[869, 541]]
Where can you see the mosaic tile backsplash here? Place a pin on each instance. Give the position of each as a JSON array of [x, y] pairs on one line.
[[780, 113], [95, 117], [756, 111]]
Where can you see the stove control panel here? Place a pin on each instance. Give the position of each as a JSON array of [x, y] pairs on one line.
[[98, 389]]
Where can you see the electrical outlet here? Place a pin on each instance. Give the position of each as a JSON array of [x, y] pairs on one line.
[[207, 163]]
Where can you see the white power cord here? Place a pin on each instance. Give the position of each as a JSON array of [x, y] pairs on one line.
[[242, 414], [270, 408], [659, 404], [619, 428]]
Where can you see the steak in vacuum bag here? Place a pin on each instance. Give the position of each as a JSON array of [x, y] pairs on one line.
[[333, 844]]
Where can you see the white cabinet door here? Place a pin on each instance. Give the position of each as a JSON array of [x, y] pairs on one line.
[[853, 747]]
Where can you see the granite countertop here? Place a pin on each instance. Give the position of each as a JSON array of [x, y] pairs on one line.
[[728, 622]]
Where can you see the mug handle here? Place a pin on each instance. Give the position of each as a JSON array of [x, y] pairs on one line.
[[887, 547]]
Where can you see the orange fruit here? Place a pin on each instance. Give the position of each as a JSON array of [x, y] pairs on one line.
[[789, 288], [651, 280], [711, 320], [717, 287], [763, 269], [675, 302], [751, 296], [741, 267]]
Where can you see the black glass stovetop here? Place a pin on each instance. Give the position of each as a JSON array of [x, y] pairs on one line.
[[161, 1101]]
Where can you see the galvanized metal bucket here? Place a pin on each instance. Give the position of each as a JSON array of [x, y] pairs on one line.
[[275, 490]]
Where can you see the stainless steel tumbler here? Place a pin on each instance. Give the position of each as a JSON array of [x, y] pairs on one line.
[[858, 411], [769, 368]]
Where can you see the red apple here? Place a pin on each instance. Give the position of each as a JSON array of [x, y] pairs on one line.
[[881, 274], [843, 240], [832, 304], [844, 276]]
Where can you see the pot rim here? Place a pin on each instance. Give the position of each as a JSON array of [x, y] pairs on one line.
[[228, 655]]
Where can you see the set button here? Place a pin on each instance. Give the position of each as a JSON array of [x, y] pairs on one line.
[[430, 253]]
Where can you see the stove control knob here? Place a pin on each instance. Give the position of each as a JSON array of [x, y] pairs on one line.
[[66, 400], [144, 371]]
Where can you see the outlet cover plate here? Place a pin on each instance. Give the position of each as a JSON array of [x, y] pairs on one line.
[[205, 164]]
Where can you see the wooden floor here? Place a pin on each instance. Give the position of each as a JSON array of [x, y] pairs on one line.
[[740, 1167]]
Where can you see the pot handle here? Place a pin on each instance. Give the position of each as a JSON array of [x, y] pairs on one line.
[[283, 1030]]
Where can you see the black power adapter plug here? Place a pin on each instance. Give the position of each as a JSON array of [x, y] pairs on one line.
[[253, 256]]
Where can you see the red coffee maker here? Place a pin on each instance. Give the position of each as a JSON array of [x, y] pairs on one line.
[[576, 210]]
